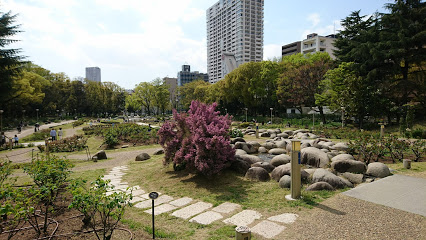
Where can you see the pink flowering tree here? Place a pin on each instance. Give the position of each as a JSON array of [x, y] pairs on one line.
[[198, 139]]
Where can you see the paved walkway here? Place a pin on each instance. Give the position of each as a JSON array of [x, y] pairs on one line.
[[29, 130], [397, 191], [193, 210]]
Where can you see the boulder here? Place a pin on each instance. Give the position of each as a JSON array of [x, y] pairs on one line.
[[342, 157], [353, 178], [100, 155], [285, 181], [265, 134], [262, 150], [158, 151], [314, 157], [273, 135], [125, 146], [254, 144], [240, 152], [280, 160], [257, 173], [240, 166], [269, 145], [249, 158], [142, 157], [267, 166], [352, 166], [281, 144], [238, 139], [305, 145], [277, 151], [322, 175], [282, 135], [378, 169], [247, 147], [340, 147], [285, 169], [318, 186]]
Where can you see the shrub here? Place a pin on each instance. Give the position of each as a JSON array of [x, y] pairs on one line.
[[244, 124], [199, 139], [78, 123], [69, 144], [94, 203], [368, 148], [418, 147], [235, 133], [396, 147], [418, 133], [37, 136]]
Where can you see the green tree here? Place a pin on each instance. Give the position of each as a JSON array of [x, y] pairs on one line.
[[195, 90], [10, 60], [161, 95], [144, 94]]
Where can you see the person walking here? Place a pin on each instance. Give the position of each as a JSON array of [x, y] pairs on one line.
[[53, 134], [16, 140], [3, 139], [19, 128], [60, 134]]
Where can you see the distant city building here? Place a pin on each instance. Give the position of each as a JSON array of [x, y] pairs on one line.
[[234, 27], [93, 74], [290, 49], [186, 76], [172, 83], [315, 43], [129, 91]]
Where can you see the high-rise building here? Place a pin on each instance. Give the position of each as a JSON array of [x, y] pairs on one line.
[[186, 76], [93, 74], [234, 27], [292, 48], [172, 83]]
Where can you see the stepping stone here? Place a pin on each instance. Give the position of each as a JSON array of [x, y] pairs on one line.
[[284, 218], [243, 218], [160, 200], [122, 187], [138, 192], [267, 229], [181, 202], [206, 217], [226, 207], [163, 208], [137, 199], [192, 210]]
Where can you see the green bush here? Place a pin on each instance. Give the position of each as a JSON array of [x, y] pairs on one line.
[[69, 144], [78, 123], [38, 136], [244, 124], [418, 133], [236, 133]]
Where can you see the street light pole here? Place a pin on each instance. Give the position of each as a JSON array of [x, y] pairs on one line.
[[37, 113], [246, 113], [1, 117], [343, 116], [271, 114], [23, 116]]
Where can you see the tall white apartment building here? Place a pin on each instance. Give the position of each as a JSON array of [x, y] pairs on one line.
[[93, 74], [234, 27], [315, 43]]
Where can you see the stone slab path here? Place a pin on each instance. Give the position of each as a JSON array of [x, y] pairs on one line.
[[393, 192], [201, 212]]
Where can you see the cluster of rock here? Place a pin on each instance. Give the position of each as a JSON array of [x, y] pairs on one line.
[[328, 166]]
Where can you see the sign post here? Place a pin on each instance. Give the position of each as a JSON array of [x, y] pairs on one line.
[[295, 169], [153, 195], [257, 130]]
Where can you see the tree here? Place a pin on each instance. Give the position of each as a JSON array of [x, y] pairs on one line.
[[161, 95], [193, 91], [199, 141], [144, 93], [10, 60]]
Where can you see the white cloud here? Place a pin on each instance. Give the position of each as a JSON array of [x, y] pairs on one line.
[[271, 51], [314, 18], [322, 30]]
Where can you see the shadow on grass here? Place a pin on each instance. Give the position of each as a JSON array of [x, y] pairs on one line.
[[228, 186]]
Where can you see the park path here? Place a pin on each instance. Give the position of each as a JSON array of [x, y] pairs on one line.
[[30, 129]]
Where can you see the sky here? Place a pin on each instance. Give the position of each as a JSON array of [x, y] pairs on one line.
[[135, 41]]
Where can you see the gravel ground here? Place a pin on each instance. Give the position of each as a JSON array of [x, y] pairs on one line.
[[343, 217]]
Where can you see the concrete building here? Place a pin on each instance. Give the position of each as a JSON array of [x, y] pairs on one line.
[[234, 27], [186, 76], [290, 49], [315, 43], [172, 82], [93, 74]]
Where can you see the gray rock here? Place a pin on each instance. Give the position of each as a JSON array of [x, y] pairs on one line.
[[273, 135], [125, 146], [258, 173], [254, 144], [305, 145], [267, 166], [100, 155], [378, 169], [318, 186], [240, 152], [238, 139], [314, 157], [282, 135], [281, 144], [285, 169], [262, 150], [240, 166], [158, 151], [269, 145], [247, 147], [353, 178], [289, 132], [142, 157], [342, 157], [265, 134], [322, 175], [277, 151], [326, 151], [340, 147], [280, 160], [249, 158], [285, 181], [348, 166]]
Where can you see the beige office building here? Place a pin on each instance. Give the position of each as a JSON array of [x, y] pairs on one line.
[[234, 28]]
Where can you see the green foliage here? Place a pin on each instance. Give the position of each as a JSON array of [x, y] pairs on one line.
[[244, 125], [100, 205], [235, 133], [129, 132], [418, 147], [367, 148], [396, 147], [69, 144], [38, 136], [78, 123]]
